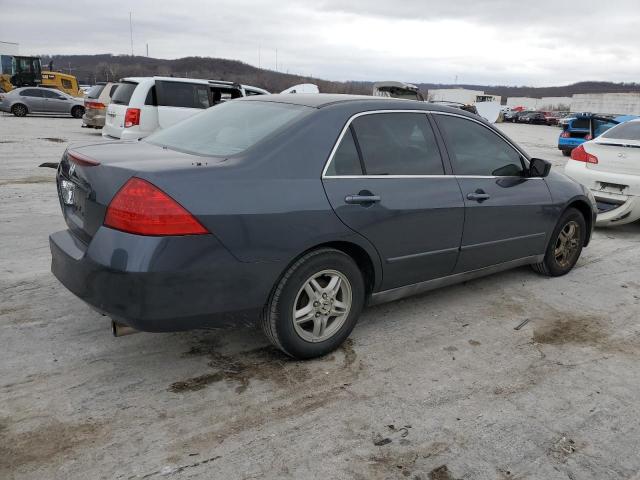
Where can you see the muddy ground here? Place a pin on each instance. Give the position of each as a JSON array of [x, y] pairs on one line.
[[436, 387]]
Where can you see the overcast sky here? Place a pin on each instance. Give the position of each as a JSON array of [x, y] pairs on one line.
[[514, 42]]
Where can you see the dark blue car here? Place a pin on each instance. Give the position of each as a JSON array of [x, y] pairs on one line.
[[298, 210]]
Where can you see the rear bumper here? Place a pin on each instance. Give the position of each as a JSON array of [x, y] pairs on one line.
[[94, 119], [160, 284], [615, 207], [570, 143]]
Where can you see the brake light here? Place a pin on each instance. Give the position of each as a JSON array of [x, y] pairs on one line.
[[132, 117], [141, 208], [80, 159], [565, 134], [581, 155], [94, 105]]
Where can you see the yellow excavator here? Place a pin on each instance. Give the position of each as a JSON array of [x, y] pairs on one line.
[[19, 71]]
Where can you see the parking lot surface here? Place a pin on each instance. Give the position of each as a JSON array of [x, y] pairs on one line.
[[439, 386]]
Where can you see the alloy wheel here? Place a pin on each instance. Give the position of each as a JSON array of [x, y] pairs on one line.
[[322, 305], [567, 244]]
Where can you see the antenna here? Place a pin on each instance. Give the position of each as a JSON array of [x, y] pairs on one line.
[[131, 33]]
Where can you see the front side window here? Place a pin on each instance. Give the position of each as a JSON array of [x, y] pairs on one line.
[[477, 151], [66, 83], [182, 94], [397, 144], [228, 129], [51, 94], [346, 160]]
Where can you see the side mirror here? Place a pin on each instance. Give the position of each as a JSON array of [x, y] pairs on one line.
[[539, 167]]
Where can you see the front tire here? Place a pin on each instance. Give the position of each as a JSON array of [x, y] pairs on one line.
[[315, 305], [19, 110], [565, 245]]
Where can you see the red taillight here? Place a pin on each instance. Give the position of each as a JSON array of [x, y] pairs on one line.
[[588, 137], [142, 208], [132, 117], [581, 155], [565, 134], [80, 159], [94, 105]]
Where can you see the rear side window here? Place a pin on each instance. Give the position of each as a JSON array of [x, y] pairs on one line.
[[51, 94], [123, 93], [346, 160], [229, 128], [477, 151], [624, 131], [397, 144], [31, 92], [95, 91], [182, 94]]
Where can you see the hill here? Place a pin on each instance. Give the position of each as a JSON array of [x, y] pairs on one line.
[[92, 68]]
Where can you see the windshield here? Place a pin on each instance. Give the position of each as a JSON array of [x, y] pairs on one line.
[[227, 129], [624, 131]]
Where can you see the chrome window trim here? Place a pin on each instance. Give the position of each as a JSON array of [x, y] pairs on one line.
[[425, 112]]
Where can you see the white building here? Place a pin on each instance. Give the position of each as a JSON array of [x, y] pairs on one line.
[[460, 95], [607, 103], [544, 103], [9, 48]]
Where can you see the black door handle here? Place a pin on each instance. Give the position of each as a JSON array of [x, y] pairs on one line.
[[361, 199], [479, 195]]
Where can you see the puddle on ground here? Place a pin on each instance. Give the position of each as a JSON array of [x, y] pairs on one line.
[[53, 139]]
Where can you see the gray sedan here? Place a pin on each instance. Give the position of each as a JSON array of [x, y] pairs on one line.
[[27, 100], [299, 210]]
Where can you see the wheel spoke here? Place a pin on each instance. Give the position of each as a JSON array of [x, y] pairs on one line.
[[319, 326], [313, 289], [305, 313], [338, 308], [333, 287]]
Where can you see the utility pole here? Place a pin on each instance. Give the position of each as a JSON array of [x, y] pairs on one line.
[[147, 49], [131, 32], [276, 59], [259, 56]]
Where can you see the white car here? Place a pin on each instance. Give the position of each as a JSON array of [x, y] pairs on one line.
[[609, 166], [141, 105]]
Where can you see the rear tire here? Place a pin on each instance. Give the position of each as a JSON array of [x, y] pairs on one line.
[[566, 153], [565, 245], [19, 110], [315, 305], [77, 112]]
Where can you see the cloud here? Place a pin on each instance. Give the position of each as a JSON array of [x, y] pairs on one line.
[[493, 41]]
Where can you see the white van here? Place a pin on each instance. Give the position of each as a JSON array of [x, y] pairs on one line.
[[141, 105]]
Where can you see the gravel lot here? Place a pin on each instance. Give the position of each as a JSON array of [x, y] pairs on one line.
[[438, 386]]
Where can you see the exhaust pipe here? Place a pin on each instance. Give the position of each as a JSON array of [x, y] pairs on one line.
[[120, 329]]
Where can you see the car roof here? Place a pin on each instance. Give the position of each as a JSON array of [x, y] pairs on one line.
[[368, 102]]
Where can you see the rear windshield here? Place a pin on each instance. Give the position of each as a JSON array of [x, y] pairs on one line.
[[227, 129], [123, 93], [624, 131], [95, 91]]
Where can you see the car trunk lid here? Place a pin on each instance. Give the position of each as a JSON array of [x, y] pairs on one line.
[[615, 156]]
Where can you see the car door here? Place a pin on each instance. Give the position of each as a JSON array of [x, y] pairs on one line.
[[32, 98], [507, 214], [180, 100], [387, 181], [54, 102]]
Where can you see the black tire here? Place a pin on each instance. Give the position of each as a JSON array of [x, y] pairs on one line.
[[557, 264], [77, 112], [278, 316], [19, 110], [566, 153]]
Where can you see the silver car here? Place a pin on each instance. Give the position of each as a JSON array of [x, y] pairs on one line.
[[26, 100]]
